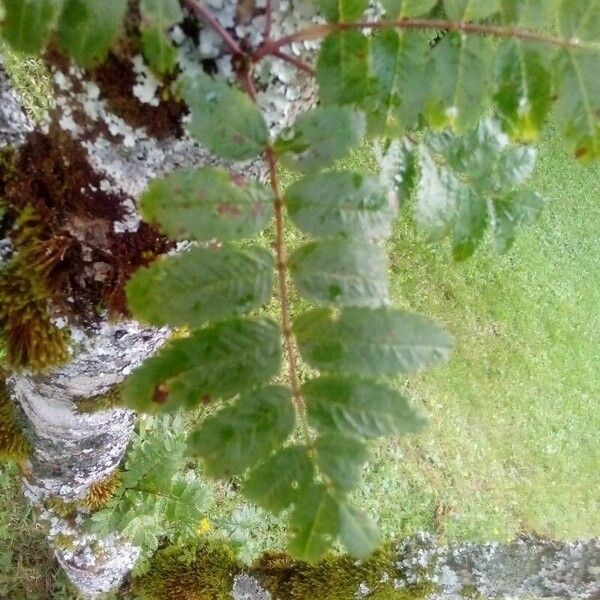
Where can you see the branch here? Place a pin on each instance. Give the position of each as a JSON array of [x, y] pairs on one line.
[[320, 31], [203, 13]]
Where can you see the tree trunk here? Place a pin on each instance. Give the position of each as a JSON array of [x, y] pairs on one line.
[[108, 133]]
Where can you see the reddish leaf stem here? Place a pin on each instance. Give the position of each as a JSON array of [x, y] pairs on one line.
[[204, 13], [269, 20], [320, 31], [297, 62]]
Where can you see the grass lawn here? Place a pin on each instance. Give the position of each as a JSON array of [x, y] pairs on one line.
[[513, 439]]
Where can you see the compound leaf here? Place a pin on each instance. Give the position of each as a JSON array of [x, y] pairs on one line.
[[341, 203], [275, 484], [88, 28], [341, 459], [224, 119], [208, 203], [341, 272], [27, 23], [357, 407], [342, 68], [320, 136], [200, 285], [216, 362], [239, 436], [366, 341]]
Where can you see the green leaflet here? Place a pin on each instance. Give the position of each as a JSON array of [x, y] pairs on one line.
[[400, 90], [207, 203], [460, 176], [239, 436], [523, 89], [471, 10], [224, 119], [341, 272], [511, 212], [88, 28], [314, 524], [580, 19], [342, 68], [341, 203], [157, 17], [577, 109], [276, 483], [158, 50], [356, 407], [319, 517], [459, 90], [27, 23], [341, 459], [370, 342], [529, 14], [342, 10], [397, 9], [320, 136], [216, 362], [358, 532], [200, 285]]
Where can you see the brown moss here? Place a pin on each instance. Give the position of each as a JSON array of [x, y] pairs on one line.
[[101, 402], [75, 250], [102, 491], [13, 444]]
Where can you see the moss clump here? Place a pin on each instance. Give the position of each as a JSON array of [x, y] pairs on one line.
[[203, 571], [13, 444], [336, 577], [101, 402], [32, 339], [65, 510], [102, 491]]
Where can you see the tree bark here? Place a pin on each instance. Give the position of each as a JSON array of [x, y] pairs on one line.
[[112, 123]]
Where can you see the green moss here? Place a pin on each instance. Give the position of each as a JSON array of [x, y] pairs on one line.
[[203, 571], [101, 402], [337, 577], [13, 444]]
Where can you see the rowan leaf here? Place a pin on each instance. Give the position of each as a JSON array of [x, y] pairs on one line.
[[511, 212], [342, 10], [321, 136], [523, 89], [341, 272], [529, 14], [399, 89], [224, 119], [88, 28], [158, 50], [200, 285], [579, 20], [219, 361], [341, 203], [399, 9], [358, 532], [341, 459], [163, 12], [356, 407], [342, 68], [314, 524], [277, 482], [370, 342], [27, 23], [471, 10], [239, 436], [207, 203], [460, 176], [459, 91]]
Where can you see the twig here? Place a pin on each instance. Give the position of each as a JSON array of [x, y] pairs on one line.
[[205, 14], [297, 62]]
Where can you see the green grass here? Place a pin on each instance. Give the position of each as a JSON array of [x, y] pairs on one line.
[[512, 443]]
